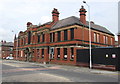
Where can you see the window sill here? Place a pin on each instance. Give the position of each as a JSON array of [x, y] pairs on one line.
[[71, 59], [65, 59], [52, 59], [58, 58]]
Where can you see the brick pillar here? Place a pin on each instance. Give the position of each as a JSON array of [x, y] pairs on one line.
[[46, 55], [92, 36], [36, 40], [118, 39], [101, 38], [47, 37], [23, 55], [68, 54], [61, 53], [26, 40], [40, 37], [62, 35], [40, 53], [69, 35], [35, 55], [32, 39], [75, 55], [55, 53], [75, 33]]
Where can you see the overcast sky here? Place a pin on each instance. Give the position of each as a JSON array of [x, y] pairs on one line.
[[14, 14]]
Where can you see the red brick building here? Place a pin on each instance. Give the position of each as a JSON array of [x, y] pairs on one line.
[[6, 49], [119, 39], [58, 40]]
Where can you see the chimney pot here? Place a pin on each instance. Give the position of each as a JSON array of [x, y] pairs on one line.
[[83, 15], [29, 24], [55, 15]]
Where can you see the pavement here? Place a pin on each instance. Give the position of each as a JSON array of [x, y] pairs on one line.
[[17, 71], [72, 68]]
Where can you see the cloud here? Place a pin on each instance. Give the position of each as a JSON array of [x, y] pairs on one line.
[[14, 14], [45, 19]]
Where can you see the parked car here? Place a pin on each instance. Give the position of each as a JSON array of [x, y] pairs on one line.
[[9, 58]]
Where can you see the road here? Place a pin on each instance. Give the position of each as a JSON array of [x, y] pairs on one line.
[[17, 71]]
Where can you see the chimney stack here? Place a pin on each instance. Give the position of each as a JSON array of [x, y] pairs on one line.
[[55, 15], [29, 24], [83, 15]]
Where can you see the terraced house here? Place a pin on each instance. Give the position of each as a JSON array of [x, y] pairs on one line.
[[57, 41]]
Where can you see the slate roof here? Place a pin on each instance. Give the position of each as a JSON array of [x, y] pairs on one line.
[[66, 22], [98, 27], [75, 20]]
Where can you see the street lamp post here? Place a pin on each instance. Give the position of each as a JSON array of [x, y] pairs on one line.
[[89, 34]]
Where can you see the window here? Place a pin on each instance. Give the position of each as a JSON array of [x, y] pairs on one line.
[[42, 53], [18, 53], [59, 36], [51, 53], [38, 38], [58, 52], [72, 53], [48, 49], [53, 36], [72, 33], [21, 53], [43, 37], [33, 52], [29, 37], [98, 38], [65, 53], [50, 37], [106, 40], [94, 37], [65, 35]]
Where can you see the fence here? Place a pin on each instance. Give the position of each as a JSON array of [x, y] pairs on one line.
[[103, 56]]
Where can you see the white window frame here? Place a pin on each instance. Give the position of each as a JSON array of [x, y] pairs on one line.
[[95, 37], [106, 40], [21, 53]]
